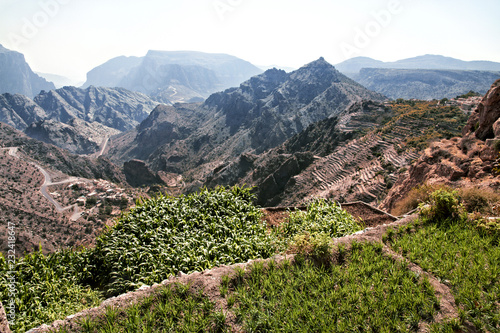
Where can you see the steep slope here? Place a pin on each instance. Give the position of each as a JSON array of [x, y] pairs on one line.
[[16, 76], [180, 76], [19, 111], [425, 84], [463, 161], [117, 108], [77, 136], [79, 120], [260, 114], [112, 72]]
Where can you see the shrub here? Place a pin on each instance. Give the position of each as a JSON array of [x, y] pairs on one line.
[[479, 200], [317, 245], [444, 205]]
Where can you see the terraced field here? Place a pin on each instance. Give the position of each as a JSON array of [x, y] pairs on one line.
[[366, 168]]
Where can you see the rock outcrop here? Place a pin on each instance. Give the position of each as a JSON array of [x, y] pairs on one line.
[[464, 161], [16, 76]]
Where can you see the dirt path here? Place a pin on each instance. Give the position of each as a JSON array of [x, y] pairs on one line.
[[104, 145]]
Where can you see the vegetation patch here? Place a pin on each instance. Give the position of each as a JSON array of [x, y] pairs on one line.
[[462, 253], [365, 291], [322, 216], [48, 287], [166, 235], [172, 309]]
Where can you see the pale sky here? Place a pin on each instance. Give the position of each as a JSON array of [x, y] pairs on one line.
[[70, 37]]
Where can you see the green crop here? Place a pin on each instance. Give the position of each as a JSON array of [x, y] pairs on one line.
[[166, 235], [367, 293], [48, 287], [321, 217]]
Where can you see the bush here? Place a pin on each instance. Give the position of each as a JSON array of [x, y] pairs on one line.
[[444, 205], [317, 245], [479, 200]]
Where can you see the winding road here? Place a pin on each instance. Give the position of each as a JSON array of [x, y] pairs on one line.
[[48, 182]]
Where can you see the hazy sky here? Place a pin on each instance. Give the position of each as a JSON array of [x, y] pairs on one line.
[[70, 37]]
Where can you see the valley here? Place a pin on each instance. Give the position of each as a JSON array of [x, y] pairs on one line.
[[126, 190]]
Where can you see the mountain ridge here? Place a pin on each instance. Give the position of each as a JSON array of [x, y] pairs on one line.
[[181, 76], [428, 61], [16, 76], [258, 115]]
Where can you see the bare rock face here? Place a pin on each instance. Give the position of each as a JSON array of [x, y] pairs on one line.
[[460, 161], [488, 113]]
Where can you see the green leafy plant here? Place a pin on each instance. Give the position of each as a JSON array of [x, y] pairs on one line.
[[321, 217], [165, 235]]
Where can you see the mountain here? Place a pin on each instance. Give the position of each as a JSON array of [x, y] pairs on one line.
[[79, 120], [258, 115], [16, 76], [180, 76], [117, 108], [425, 84], [428, 61], [112, 72], [425, 77], [19, 111], [77, 136], [357, 155], [59, 80]]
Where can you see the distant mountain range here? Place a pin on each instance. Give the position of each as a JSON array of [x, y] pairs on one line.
[[178, 76], [354, 65], [425, 84], [425, 77], [16, 76]]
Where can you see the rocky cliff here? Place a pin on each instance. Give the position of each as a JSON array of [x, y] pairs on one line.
[[16, 76], [117, 108], [461, 161], [19, 111]]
